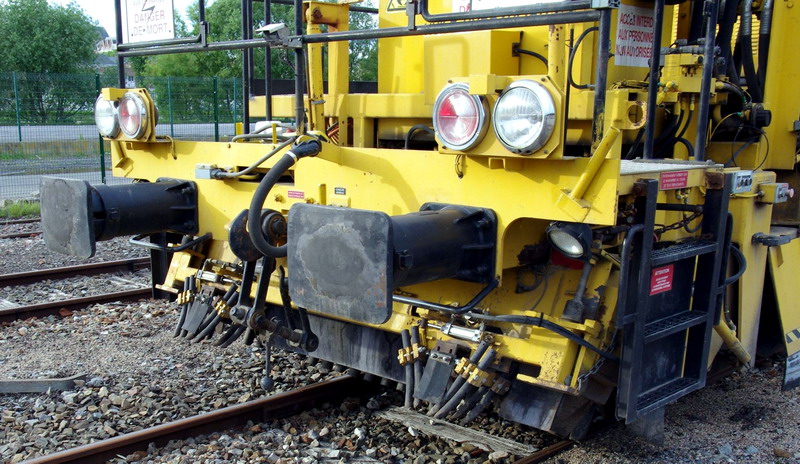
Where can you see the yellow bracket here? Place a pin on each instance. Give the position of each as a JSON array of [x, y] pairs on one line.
[[222, 308], [404, 356], [185, 297], [571, 201]]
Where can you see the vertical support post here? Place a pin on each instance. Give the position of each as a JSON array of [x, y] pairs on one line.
[[169, 104], [247, 63], [16, 102], [300, 70], [216, 110], [268, 63], [234, 105], [652, 88], [601, 76], [710, 10], [101, 144], [120, 59]]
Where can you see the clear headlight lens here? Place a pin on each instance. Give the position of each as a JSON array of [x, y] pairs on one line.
[[459, 118], [572, 239], [105, 117], [132, 115], [524, 117]]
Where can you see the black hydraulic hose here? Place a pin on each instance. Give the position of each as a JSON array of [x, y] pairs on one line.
[[686, 126], [652, 85], [725, 35], [746, 38], [184, 309], [687, 144], [413, 130], [538, 321], [522, 51], [764, 35], [638, 141], [469, 403], [571, 60], [231, 336], [466, 388], [480, 407], [308, 148], [624, 271], [415, 340], [456, 385], [711, 9], [742, 263], [409, 398], [209, 330], [448, 309]]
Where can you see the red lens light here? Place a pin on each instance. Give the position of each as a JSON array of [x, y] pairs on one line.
[[132, 115], [459, 117]]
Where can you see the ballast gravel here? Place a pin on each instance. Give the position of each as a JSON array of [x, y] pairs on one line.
[[138, 375]]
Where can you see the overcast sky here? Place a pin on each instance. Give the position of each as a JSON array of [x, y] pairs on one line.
[[103, 11]]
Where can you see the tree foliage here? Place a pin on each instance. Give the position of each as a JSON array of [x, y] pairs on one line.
[[39, 41], [224, 18]]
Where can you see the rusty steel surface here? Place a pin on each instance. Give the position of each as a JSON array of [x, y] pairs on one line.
[[8, 222], [53, 308], [123, 265], [33, 233], [547, 452], [277, 406]]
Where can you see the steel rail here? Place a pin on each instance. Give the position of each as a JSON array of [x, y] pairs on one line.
[[52, 308], [19, 221], [32, 233], [273, 407], [107, 267]]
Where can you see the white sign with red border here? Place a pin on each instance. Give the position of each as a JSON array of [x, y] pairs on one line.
[[461, 6]]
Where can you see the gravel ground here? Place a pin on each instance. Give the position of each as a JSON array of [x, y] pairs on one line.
[[31, 253], [139, 376]]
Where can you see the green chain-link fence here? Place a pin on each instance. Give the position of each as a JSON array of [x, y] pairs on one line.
[[47, 122]]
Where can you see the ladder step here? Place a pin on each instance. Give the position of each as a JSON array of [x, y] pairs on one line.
[[673, 324], [681, 251], [666, 394]]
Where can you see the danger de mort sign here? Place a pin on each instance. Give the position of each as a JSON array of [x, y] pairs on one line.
[[149, 20]]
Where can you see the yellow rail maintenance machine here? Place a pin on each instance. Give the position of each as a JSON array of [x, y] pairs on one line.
[[561, 208]]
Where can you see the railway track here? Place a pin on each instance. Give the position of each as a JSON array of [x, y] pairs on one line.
[[24, 234], [32, 277], [273, 407], [58, 307]]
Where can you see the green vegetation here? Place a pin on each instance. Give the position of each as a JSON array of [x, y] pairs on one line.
[[20, 208], [41, 42]]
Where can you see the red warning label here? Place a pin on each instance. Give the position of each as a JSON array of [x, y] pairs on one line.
[[661, 279], [674, 180], [299, 194]]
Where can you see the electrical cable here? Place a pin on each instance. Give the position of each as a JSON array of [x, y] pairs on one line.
[[522, 51], [742, 262], [412, 130], [305, 149], [572, 52], [249, 169], [539, 321]]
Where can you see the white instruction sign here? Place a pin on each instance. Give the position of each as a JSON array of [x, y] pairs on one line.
[[461, 6], [634, 43], [149, 20]]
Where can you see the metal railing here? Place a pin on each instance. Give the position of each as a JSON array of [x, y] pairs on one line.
[[47, 122]]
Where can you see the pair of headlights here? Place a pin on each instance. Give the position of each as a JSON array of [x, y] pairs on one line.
[[523, 118], [129, 114]]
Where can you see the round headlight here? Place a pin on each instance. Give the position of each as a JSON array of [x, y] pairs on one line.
[[524, 117], [105, 117], [572, 239], [459, 118], [132, 115]]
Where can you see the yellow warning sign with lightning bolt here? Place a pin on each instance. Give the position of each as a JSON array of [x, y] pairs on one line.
[[396, 5]]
